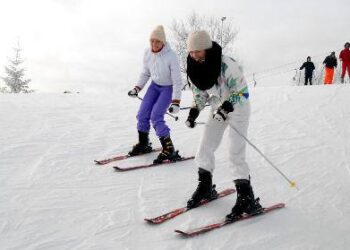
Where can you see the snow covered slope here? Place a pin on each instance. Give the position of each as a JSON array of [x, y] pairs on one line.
[[52, 196]]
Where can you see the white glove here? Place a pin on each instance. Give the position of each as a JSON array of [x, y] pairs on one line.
[[134, 92], [174, 107], [220, 115]]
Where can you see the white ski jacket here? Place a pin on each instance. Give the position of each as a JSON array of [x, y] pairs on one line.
[[163, 68], [231, 86]]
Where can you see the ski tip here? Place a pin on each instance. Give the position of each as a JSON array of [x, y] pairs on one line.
[[182, 233], [150, 221], [153, 222], [116, 168], [280, 205], [97, 162]]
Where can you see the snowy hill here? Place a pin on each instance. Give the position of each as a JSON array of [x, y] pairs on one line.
[[52, 196]]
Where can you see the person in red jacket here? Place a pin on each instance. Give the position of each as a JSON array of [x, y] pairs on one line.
[[345, 58]]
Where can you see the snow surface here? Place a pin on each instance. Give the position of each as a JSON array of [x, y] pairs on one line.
[[52, 196]]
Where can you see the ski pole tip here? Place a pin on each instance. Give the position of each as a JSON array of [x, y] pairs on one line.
[[293, 184]]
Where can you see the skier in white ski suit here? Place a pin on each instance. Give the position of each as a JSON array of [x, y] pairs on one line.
[[231, 87], [217, 79]]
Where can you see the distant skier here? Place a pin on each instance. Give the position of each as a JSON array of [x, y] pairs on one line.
[[330, 63], [345, 58], [309, 69], [160, 63], [218, 80]]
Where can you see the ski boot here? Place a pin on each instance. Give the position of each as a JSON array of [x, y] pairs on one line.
[[143, 146], [168, 151], [205, 189], [245, 203]]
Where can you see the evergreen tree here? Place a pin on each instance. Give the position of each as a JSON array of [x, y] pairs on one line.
[[15, 74]]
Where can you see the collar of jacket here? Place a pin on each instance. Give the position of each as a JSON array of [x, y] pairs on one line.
[[166, 48], [204, 75]]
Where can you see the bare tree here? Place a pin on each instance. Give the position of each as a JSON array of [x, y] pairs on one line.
[[223, 34], [15, 75]]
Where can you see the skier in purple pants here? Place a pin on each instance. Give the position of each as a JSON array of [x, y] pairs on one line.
[[160, 64]]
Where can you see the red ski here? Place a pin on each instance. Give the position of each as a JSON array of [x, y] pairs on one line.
[[122, 157], [176, 212], [151, 165], [204, 229]]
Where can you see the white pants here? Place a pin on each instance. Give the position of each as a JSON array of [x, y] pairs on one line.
[[212, 137]]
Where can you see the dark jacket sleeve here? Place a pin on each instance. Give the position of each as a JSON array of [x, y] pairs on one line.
[[303, 66]]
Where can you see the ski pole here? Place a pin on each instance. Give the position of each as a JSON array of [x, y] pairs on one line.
[[292, 183], [184, 108], [199, 123], [173, 116], [254, 80], [321, 74], [314, 76], [295, 76]]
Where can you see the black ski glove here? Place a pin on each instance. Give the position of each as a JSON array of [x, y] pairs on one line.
[[192, 116], [222, 112]]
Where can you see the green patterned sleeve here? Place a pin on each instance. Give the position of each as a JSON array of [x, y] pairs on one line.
[[235, 82], [199, 98]]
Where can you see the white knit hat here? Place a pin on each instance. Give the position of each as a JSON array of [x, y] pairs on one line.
[[158, 33], [199, 40]]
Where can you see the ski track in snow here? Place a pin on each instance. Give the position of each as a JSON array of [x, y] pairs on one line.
[[52, 196]]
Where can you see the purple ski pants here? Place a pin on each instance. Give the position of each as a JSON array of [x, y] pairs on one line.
[[153, 108]]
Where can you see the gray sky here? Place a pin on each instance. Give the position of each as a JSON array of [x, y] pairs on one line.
[[97, 45]]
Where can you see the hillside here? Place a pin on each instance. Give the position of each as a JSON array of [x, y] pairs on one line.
[[52, 196]]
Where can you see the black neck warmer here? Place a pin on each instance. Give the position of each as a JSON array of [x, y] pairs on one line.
[[205, 74]]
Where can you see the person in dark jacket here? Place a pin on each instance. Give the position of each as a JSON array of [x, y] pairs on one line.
[[330, 63], [309, 69]]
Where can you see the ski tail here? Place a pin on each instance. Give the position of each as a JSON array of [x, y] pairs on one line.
[[122, 157]]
